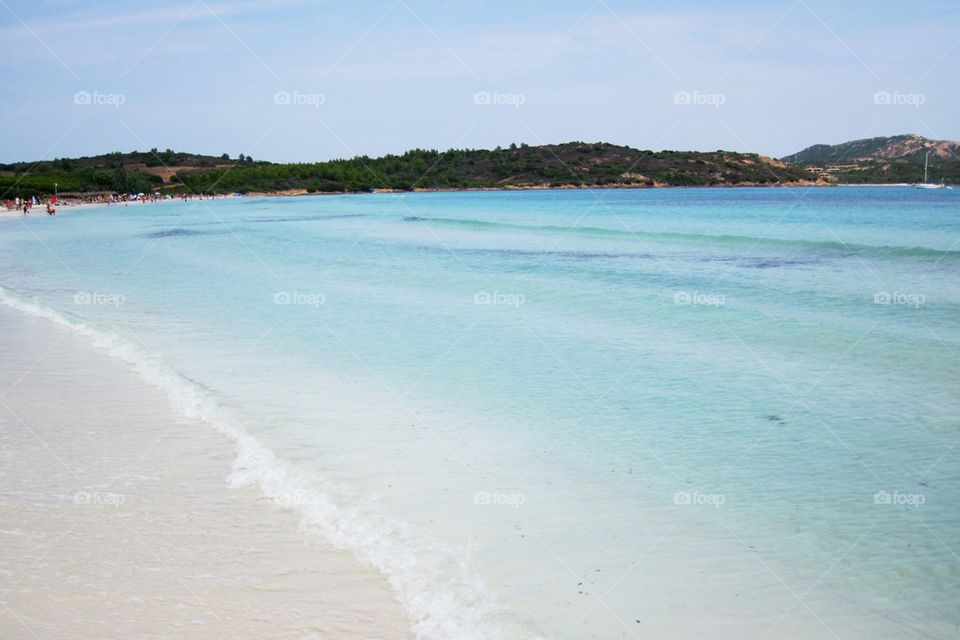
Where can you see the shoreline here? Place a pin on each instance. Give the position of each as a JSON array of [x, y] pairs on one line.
[[383, 573], [612, 187], [65, 207], [101, 536], [303, 192], [195, 557]]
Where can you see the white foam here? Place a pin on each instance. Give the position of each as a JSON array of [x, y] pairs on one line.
[[444, 596]]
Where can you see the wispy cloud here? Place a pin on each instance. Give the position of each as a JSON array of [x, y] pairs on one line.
[[398, 74], [78, 22]]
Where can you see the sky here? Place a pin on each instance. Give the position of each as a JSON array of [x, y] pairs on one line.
[[310, 80]]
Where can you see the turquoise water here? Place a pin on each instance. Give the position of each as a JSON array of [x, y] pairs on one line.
[[511, 398]]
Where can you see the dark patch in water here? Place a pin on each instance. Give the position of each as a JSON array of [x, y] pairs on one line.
[[762, 263], [176, 233], [774, 418], [413, 219], [773, 263]]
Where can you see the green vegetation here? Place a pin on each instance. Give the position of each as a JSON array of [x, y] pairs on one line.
[[898, 172], [572, 164], [883, 160], [74, 181], [904, 148], [134, 172]]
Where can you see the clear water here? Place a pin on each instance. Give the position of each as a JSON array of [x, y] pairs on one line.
[[566, 413]]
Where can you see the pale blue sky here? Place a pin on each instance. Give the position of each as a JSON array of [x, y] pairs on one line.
[[305, 80]]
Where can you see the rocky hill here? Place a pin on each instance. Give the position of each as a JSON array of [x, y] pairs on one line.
[[905, 148]]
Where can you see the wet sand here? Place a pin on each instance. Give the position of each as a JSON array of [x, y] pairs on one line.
[[117, 521]]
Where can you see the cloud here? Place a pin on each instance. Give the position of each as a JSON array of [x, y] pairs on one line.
[[76, 24]]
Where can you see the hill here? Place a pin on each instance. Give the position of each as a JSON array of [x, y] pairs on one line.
[[573, 164], [894, 159], [133, 172], [906, 148]]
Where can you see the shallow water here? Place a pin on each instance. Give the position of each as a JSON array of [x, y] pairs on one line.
[[116, 522], [565, 413]]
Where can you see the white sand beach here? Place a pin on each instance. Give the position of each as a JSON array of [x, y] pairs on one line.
[[40, 210], [116, 520]]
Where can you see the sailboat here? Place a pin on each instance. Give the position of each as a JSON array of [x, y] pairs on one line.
[[925, 184]]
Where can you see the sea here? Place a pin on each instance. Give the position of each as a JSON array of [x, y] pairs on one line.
[[614, 413]]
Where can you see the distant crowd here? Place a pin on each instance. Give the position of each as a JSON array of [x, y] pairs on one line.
[[25, 205]]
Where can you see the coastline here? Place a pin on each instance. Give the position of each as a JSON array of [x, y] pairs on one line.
[[39, 210], [66, 207], [540, 187], [612, 187], [100, 535]]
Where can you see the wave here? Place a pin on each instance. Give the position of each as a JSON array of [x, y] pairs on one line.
[[816, 246], [445, 598]]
